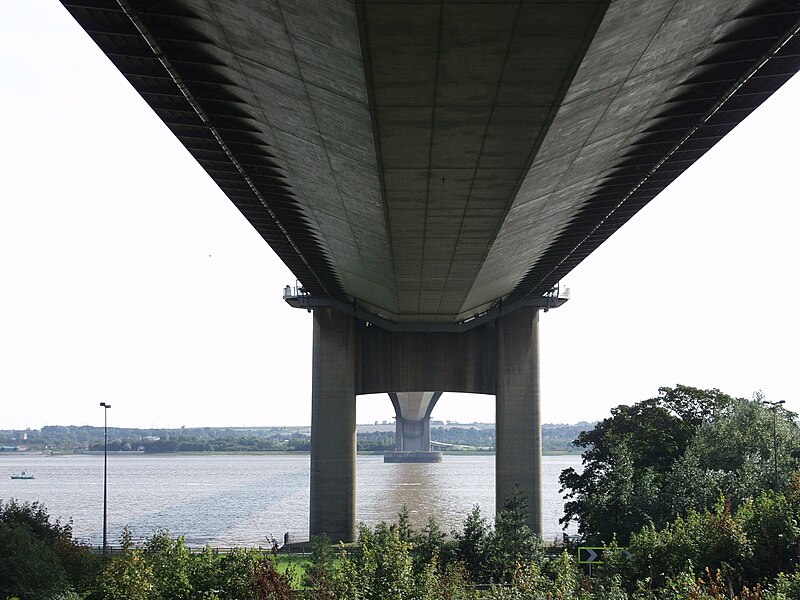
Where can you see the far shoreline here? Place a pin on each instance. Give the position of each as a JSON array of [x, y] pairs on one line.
[[113, 453]]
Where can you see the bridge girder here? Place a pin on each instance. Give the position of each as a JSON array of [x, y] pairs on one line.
[[427, 162]]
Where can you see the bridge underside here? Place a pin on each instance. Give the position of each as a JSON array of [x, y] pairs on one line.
[[421, 166], [427, 161]]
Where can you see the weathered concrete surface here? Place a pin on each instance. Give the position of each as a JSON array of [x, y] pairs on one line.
[[333, 427], [413, 434], [502, 360], [427, 161], [456, 362], [518, 422]]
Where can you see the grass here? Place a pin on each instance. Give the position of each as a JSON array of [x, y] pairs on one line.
[[298, 565]]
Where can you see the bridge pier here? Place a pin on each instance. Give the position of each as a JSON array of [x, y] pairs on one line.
[[333, 426], [500, 357], [413, 420], [518, 426]]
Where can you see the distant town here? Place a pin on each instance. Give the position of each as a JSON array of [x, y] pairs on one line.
[[447, 436]]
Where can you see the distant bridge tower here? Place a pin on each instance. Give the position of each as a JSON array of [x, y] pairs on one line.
[[413, 427]]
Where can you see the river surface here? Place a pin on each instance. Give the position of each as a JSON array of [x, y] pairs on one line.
[[241, 500]]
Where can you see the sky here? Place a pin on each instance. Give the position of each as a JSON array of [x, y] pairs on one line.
[[127, 277]]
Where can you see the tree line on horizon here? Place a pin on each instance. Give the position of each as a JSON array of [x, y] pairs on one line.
[[556, 439]]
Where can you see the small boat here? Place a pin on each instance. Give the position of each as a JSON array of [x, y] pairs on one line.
[[23, 475]]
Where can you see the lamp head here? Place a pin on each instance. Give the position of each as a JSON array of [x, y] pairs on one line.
[[104, 405], [773, 404]]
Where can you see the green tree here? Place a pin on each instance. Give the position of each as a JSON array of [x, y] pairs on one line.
[[383, 562], [34, 515], [169, 560], [404, 529], [772, 524], [703, 540], [513, 544], [734, 454], [427, 546], [127, 574], [386, 563], [628, 459], [204, 573], [382, 568], [472, 544], [48, 542], [785, 587], [28, 568], [237, 573]]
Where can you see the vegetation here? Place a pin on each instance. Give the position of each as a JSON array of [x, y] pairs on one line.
[[164, 569], [396, 562], [685, 483], [751, 553], [38, 558], [655, 461]]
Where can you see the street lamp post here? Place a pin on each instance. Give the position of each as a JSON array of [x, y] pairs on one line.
[[105, 475], [774, 408]]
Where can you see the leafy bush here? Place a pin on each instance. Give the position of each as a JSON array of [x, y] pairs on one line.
[[38, 557], [660, 458], [28, 567]]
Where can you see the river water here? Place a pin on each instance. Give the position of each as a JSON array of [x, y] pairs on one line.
[[241, 500]]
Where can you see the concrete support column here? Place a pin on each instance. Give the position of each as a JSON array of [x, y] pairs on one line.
[[413, 419], [333, 426], [518, 422], [413, 435]]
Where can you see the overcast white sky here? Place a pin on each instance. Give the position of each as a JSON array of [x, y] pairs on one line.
[[127, 277]]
